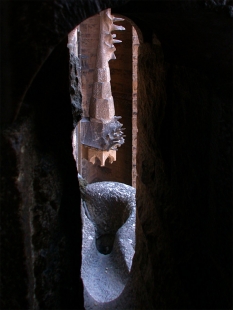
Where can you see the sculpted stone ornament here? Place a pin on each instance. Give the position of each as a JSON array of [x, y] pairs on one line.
[[102, 130], [109, 216]]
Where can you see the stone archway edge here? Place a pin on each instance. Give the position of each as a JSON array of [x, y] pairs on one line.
[[44, 24]]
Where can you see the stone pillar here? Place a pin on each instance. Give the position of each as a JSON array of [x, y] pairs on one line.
[[102, 132]]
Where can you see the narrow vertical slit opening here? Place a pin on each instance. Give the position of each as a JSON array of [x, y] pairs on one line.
[[107, 178]]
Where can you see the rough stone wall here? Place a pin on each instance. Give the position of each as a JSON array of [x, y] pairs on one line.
[[38, 187], [184, 150], [135, 46], [12, 240], [40, 201], [152, 189], [178, 167], [201, 221]]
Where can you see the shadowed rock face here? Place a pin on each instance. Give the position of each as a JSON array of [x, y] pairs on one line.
[[184, 194], [38, 26]]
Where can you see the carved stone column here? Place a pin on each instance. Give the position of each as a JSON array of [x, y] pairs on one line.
[[102, 132]]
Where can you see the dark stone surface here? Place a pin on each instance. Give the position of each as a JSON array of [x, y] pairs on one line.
[[30, 31], [179, 178], [75, 89], [39, 175], [13, 268], [192, 34]]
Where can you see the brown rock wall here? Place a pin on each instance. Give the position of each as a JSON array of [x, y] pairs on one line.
[[40, 200]]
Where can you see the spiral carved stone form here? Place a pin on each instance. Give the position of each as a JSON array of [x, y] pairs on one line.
[[102, 130]]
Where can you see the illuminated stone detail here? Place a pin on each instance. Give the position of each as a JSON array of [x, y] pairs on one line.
[[102, 155], [102, 132]]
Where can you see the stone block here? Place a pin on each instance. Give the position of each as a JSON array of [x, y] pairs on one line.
[[102, 75], [102, 90], [102, 109]]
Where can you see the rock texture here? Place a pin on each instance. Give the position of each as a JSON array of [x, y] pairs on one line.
[[184, 191], [40, 215]]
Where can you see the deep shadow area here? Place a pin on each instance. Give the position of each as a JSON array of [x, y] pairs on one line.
[[104, 243], [50, 102]]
